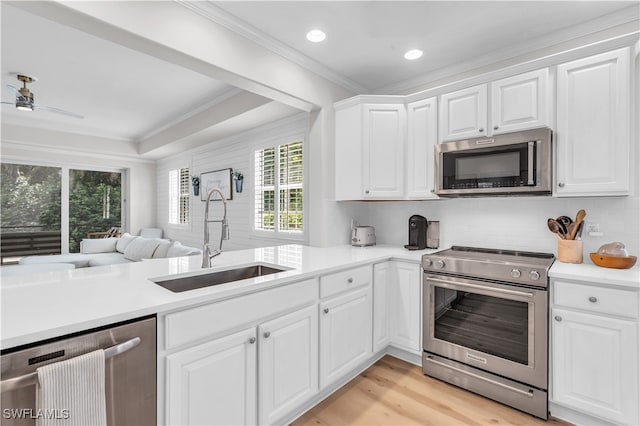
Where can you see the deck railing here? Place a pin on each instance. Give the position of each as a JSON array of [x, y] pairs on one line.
[[15, 244]]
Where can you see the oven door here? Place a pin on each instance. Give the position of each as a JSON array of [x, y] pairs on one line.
[[494, 327]]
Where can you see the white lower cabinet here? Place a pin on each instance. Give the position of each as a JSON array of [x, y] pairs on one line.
[[345, 334], [405, 297], [397, 313], [288, 363], [214, 383], [594, 352]]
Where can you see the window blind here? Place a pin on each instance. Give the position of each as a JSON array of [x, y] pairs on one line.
[[179, 196]]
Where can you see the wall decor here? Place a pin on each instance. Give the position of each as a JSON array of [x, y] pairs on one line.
[[239, 178], [216, 179], [195, 181]]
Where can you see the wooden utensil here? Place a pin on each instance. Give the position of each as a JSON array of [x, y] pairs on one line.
[[576, 224], [554, 227]]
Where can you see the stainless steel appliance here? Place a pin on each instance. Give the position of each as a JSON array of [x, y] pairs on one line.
[[130, 375], [485, 323], [362, 236], [423, 233], [516, 163]]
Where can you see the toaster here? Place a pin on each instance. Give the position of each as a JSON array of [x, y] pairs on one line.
[[362, 236]]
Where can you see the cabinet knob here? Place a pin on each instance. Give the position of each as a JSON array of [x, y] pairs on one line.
[[267, 334], [561, 184], [496, 127], [433, 190], [252, 340], [350, 280], [481, 129], [366, 192], [593, 299], [558, 318], [325, 310]]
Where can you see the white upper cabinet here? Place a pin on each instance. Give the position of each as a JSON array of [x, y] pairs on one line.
[[383, 143], [422, 136], [592, 136], [370, 149], [516, 103], [463, 114], [520, 102]]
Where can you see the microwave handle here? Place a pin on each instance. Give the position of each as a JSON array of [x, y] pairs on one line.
[[530, 180]]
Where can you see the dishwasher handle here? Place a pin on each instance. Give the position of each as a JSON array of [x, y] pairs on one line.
[[30, 379]]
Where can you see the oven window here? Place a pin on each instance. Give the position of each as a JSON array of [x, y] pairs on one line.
[[488, 166], [487, 324]]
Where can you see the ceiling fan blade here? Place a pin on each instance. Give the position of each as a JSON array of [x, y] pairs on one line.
[[15, 89], [57, 110]]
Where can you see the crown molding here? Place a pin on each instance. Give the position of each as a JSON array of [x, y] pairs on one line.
[[214, 13], [618, 18]]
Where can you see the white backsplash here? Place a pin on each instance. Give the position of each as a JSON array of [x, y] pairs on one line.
[[517, 223]]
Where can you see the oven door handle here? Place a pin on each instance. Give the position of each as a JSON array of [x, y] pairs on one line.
[[477, 376], [454, 286]]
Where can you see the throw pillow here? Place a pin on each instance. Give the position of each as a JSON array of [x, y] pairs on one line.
[[98, 245], [124, 241], [177, 250], [162, 249], [141, 248]]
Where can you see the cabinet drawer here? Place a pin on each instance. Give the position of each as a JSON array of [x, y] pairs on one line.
[[340, 281], [208, 320], [596, 299]]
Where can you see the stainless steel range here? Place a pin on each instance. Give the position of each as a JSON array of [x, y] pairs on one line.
[[485, 323]]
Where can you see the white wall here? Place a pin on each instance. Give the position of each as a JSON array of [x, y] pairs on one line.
[[236, 153], [506, 222]]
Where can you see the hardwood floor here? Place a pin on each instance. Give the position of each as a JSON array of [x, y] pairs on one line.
[[393, 392]]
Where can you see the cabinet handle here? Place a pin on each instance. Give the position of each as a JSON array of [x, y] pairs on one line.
[[558, 318], [366, 192], [350, 280], [561, 184], [325, 310], [267, 334], [481, 130], [495, 127], [433, 190], [593, 299], [252, 340]]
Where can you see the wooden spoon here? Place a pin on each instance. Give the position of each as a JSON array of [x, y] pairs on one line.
[[554, 227], [576, 224]]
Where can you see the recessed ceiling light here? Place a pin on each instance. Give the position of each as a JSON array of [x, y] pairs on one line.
[[316, 36], [413, 54]]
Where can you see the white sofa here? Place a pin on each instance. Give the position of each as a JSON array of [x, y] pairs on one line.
[[110, 251]]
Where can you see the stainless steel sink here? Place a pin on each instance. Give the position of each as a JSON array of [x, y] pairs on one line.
[[178, 285]]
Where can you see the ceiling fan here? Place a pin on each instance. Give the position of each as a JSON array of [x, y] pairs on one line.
[[24, 98]]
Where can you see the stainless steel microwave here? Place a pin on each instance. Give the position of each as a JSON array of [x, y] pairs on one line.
[[517, 163]]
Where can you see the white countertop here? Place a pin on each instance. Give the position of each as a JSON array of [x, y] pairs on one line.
[[50, 304], [596, 274], [43, 305]]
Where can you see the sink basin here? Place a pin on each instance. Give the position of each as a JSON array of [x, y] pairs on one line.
[[178, 285]]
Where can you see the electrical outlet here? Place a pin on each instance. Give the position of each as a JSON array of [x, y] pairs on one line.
[[593, 229]]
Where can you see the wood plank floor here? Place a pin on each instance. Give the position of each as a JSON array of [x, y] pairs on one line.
[[393, 392]]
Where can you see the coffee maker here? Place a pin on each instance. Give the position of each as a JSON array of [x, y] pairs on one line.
[[423, 233]]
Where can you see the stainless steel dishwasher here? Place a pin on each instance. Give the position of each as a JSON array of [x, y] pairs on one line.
[[130, 372]]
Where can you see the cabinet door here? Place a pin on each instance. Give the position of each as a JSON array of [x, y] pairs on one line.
[[406, 316], [422, 136], [383, 149], [345, 334], [214, 383], [381, 278], [593, 125], [463, 114], [288, 363], [520, 102], [595, 365]]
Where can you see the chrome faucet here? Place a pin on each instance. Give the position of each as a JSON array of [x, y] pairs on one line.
[[207, 254]]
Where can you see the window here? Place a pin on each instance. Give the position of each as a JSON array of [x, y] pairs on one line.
[[179, 196], [53, 208], [279, 175]]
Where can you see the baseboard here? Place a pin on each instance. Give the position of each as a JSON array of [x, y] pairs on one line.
[[403, 354], [572, 416]]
